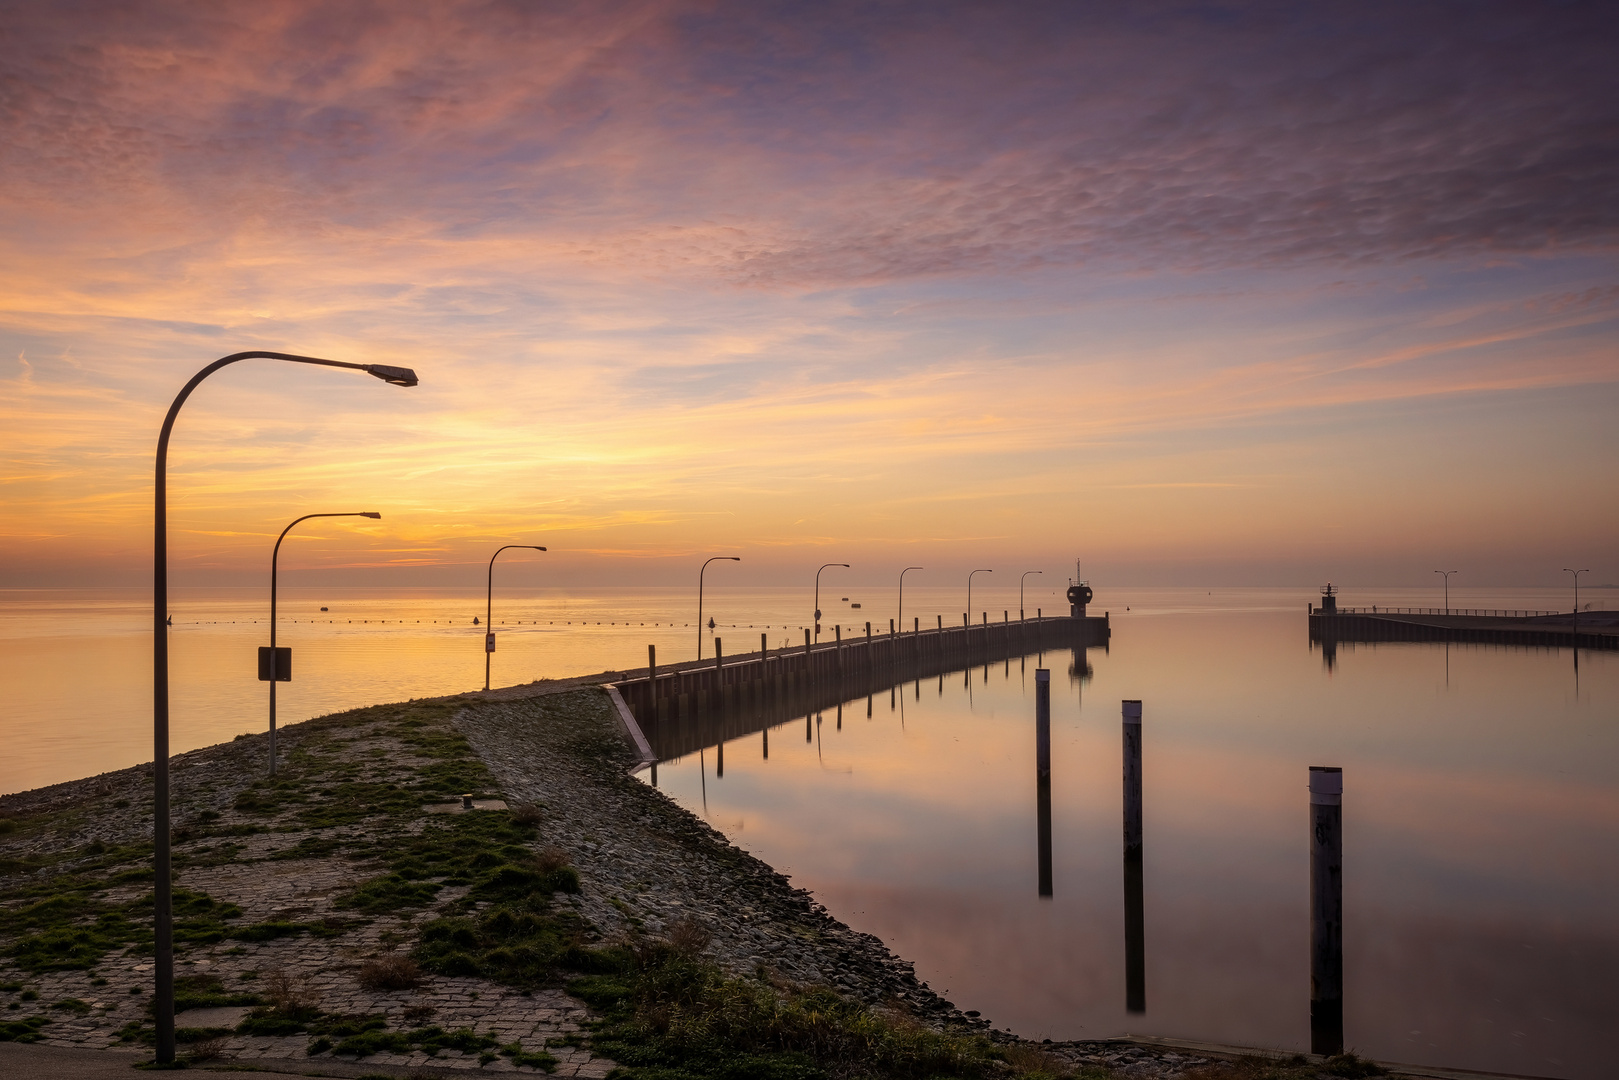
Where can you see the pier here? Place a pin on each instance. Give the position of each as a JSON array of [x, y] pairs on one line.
[[771, 686], [1544, 629]]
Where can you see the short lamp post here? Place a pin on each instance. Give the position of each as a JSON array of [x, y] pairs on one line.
[[1446, 575], [1020, 582], [1576, 574], [270, 667], [700, 572], [970, 593], [489, 609], [900, 625], [818, 595], [162, 864]]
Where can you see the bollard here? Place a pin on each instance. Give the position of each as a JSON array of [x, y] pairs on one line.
[[1135, 930], [1037, 615], [890, 627], [1326, 910]]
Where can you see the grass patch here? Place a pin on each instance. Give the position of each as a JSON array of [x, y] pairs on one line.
[[671, 1016], [23, 1031], [457, 849], [206, 992]]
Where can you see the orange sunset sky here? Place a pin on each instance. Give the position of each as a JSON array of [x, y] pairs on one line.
[[1258, 294]]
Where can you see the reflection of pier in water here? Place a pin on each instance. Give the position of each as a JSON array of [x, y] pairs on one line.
[[701, 705]]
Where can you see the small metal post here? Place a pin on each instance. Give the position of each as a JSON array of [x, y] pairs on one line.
[[1326, 910], [1135, 950], [652, 681]]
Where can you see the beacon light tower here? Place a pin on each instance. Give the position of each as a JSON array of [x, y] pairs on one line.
[[1079, 594]]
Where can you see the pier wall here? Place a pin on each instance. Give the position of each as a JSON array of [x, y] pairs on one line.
[[1483, 629], [780, 684]]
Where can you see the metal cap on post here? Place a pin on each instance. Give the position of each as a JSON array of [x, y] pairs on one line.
[[1326, 910]]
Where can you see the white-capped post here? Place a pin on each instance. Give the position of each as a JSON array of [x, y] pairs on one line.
[[1135, 923], [1326, 910]]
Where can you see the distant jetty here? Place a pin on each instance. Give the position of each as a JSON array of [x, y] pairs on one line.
[[1544, 629]]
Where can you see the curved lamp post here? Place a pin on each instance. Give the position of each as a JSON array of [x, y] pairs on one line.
[[489, 609], [274, 556], [162, 885], [818, 595], [970, 593], [1020, 582], [717, 558], [1446, 575], [1576, 574], [900, 626]]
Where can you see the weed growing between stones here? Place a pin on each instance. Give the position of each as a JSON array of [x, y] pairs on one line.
[[23, 1031], [671, 1016]]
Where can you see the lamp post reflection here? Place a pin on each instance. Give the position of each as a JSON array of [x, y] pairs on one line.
[[1135, 944]]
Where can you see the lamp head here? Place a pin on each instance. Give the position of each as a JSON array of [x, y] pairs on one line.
[[371, 514], [537, 548], [397, 376], [734, 558]]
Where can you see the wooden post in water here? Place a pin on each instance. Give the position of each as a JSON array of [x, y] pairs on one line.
[[1326, 910], [1042, 774], [1135, 931]]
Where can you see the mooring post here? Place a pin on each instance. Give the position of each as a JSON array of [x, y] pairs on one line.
[[1326, 910], [1135, 936], [808, 671], [1042, 774]]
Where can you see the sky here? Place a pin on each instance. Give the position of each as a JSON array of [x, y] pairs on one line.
[[1259, 293]]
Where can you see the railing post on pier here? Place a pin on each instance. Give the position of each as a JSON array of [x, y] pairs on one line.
[[1042, 774], [1326, 910], [652, 681], [1135, 949]]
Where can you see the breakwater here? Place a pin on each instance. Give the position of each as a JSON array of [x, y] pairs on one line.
[[1594, 630], [757, 689]]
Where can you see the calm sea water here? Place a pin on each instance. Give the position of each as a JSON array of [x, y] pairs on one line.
[[1481, 807], [1481, 815]]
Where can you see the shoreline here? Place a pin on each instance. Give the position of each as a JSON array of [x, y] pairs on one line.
[[295, 859]]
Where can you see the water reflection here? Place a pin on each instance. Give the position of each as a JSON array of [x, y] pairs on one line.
[[1482, 853]]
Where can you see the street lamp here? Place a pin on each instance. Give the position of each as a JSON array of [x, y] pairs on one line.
[[900, 626], [717, 558], [1020, 581], [1576, 574], [970, 593], [489, 609], [1446, 574], [273, 671], [162, 865], [818, 595]]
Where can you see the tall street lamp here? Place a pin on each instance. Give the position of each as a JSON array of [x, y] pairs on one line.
[[1576, 574], [272, 669], [970, 593], [818, 595], [717, 558], [1446, 574], [489, 609], [162, 865], [900, 626], [1020, 582]]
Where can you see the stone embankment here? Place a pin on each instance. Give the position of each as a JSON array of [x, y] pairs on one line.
[[304, 903]]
